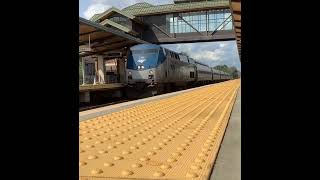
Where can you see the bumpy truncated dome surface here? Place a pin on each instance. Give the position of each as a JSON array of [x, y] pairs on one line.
[[173, 138]]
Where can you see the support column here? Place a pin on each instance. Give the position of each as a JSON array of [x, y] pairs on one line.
[[83, 71], [122, 70], [95, 79], [101, 72]]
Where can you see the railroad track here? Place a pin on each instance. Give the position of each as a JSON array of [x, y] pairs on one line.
[[172, 138], [84, 108]]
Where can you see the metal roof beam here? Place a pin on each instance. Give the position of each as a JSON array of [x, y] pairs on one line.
[[221, 24], [109, 43], [96, 40], [161, 30], [189, 24], [116, 32], [116, 45], [82, 34]]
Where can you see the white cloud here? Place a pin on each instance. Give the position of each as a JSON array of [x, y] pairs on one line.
[[95, 9], [202, 54], [99, 6], [210, 53], [98, 1], [222, 45]]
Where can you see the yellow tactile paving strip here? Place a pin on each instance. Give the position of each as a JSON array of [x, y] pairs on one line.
[[172, 138]]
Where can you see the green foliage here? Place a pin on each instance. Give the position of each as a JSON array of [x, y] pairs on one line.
[[230, 70]]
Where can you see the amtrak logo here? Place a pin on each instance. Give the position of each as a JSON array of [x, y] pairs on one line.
[[141, 60]]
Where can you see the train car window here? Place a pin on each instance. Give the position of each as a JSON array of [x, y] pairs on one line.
[[149, 51], [137, 51], [191, 74]]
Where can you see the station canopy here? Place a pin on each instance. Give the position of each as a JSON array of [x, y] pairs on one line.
[[95, 39], [236, 12]]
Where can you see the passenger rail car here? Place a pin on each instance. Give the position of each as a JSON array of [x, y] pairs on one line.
[[152, 67]]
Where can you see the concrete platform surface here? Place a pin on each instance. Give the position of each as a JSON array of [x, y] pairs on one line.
[[173, 138], [99, 87], [228, 162], [89, 114]]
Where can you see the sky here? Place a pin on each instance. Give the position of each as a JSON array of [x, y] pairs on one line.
[[210, 53]]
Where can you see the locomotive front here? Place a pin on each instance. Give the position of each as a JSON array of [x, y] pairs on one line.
[[141, 65]]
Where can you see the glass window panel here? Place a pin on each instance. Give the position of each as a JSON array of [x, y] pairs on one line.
[[228, 26], [226, 15], [220, 16], [211, 16], [212, 25], [196, 18], [194, 24], [203, 27], [191, 29], [220, 21], [183, 24], [188, 28], [203, 17]]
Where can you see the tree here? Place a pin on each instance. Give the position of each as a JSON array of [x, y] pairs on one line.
[[230, 70]]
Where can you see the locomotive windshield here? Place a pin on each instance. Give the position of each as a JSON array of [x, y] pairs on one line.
[[141, 59], [147, 51]]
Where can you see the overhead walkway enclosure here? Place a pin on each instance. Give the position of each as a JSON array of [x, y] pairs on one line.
[[182, 22]]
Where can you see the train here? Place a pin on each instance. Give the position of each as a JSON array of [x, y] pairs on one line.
[[153, 69]]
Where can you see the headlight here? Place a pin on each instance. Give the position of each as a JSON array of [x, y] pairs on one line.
[[142, 67], [129, 72], [150, 72]]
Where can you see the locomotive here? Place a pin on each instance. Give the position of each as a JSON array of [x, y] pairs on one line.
[[152, 69]]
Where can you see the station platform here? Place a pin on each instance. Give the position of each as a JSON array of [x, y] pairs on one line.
[[100, 87], [228, 163], [173, 137]]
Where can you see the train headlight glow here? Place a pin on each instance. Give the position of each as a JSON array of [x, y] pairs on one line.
[[129, 73], [151, 72]]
